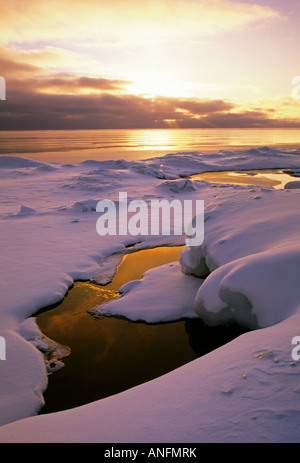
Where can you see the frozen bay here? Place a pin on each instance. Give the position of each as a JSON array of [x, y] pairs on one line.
[[245, 391]]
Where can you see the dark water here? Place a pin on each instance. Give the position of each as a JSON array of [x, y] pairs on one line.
[[111, 355]]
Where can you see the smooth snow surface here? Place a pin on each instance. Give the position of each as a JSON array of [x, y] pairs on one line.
[[246, 391]]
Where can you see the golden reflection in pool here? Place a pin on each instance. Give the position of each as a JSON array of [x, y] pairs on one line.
[[63, 322], [264, 178], [134, 265], [110, 355]]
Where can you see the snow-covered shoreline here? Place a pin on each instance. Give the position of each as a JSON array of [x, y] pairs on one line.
[[246, 391]]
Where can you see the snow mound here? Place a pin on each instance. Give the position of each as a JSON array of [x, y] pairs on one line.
[[113, 164], [153, 170], [292, 172], [178, 186], [93, 181], [9, 162], [88, 205], [292, 185], [25, 211], [252, 291], [252, 256], [193, 261], [172, 297], [46, 168]]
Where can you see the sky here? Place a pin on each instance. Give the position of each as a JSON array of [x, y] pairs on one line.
[[70, 64]]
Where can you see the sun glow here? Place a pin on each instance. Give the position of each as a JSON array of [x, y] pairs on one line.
[[154, 84], [153, 140]]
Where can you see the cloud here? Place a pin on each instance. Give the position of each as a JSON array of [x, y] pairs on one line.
[[203, 106], [134, 20], [29, 77], [113, 42], [11, 66], [27, 107], [66, 84], [38, 98]]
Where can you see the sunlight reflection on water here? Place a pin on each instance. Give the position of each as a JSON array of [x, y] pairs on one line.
[[265, 178], [73, 146], [112, 354]]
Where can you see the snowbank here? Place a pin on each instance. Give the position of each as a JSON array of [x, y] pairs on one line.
[[253, 255], [251, 291], [162, 306], [246, 391]]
